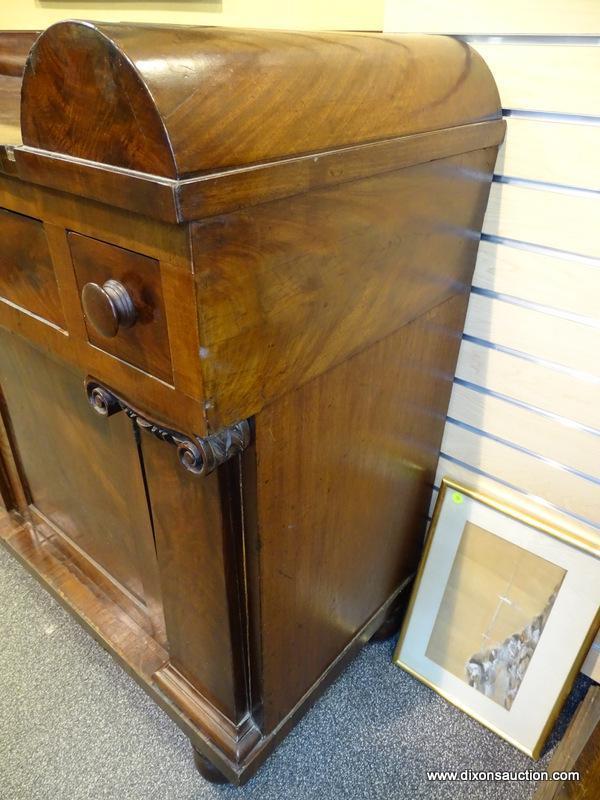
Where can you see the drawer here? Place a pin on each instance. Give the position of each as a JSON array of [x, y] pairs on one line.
[[27, 276], [122, 303]]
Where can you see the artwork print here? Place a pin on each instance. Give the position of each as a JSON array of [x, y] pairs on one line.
[[495, 607]]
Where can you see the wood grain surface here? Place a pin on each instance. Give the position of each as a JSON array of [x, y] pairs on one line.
[[151, 242], [196, 557], [14, 49], [218, 192], [146, 343], [27, 276], [82, 471], [351, 453], [309, 301], [336, 187], [169, 107]]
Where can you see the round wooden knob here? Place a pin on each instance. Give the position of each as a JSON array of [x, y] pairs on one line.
[[108, 307]]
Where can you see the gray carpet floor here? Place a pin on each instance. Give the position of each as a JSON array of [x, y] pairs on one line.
[[73, 726]]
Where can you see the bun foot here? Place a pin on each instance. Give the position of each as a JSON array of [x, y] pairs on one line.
[[393, 620], [207, 769]]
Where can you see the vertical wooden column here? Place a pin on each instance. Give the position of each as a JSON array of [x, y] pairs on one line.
[[197, 526]]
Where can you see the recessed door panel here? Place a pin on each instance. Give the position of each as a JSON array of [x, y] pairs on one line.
[[82, 470]]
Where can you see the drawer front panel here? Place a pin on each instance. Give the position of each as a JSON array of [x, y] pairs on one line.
[[27, 276], [142, 338]]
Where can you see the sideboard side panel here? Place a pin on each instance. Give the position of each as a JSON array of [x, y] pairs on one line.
[[345, 469]]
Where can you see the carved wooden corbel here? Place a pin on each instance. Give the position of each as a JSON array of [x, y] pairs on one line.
[[198, 455]]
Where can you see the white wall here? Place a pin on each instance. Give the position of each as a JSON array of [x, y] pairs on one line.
[[524, 419], [295, 14]]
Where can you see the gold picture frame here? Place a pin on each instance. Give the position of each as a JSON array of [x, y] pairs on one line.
[[473, 542]]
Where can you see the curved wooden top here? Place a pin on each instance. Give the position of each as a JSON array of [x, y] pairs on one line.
[[177, 101]]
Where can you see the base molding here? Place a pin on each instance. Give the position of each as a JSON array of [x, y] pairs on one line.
[[235, 750], [236, 740]]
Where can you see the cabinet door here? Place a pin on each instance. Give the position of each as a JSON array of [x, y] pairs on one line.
[[82, 472]]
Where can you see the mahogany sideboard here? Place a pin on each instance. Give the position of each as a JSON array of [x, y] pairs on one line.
[[234, 273]]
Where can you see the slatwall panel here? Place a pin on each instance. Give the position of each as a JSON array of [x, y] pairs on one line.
[[550, 150], [524, 418], [560, 17]]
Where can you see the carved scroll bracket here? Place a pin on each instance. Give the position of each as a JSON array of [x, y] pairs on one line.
[[198, 455]]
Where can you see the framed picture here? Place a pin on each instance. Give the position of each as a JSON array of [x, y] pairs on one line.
[[502, 614]]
